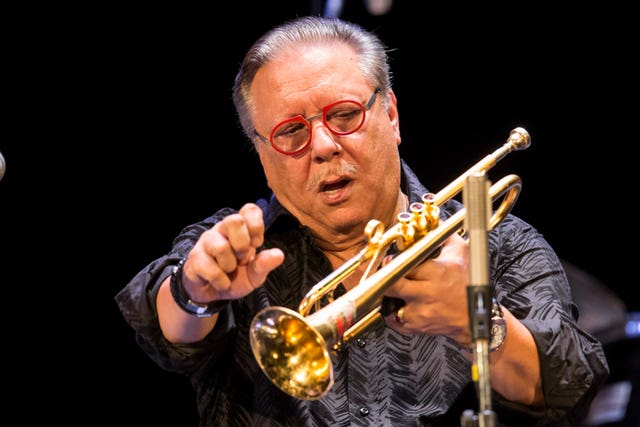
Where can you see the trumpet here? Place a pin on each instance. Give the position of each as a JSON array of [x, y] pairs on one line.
[[293, 348]]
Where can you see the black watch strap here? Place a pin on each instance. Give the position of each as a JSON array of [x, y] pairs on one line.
[[185, 302]]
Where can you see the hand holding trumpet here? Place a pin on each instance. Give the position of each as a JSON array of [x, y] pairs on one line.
[[435, 295]]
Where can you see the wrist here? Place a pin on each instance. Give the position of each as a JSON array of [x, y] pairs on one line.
[[498, 331], [184, 301]]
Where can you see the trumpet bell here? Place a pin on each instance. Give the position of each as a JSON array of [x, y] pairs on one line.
[[293, 354]]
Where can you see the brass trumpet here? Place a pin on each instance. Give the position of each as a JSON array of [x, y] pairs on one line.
[[292, 348]]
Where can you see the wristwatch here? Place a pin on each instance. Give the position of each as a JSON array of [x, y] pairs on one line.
[[183, 300], [498, 326]]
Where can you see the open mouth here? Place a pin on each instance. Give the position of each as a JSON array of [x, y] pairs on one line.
[[333, 187]]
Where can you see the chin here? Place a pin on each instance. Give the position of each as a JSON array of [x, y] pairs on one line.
[[348, 223]]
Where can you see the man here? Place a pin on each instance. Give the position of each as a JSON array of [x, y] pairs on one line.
[[314, 95]]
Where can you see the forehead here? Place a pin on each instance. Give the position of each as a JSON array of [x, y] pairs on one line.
[[304, 67]]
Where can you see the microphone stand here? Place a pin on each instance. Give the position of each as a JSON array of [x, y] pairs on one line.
[[478, 213]]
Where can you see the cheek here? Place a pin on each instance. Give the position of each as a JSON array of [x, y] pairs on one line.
[[387, 156], [267, 166], [386, 143], [282, 177]]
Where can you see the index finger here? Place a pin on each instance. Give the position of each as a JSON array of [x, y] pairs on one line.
[[254, 223]]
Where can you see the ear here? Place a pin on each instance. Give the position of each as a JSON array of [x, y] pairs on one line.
[[394, 118]]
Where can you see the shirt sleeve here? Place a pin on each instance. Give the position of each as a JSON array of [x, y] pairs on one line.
[[530, 281], [136, 302]]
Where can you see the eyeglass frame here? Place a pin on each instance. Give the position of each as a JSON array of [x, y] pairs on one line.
[[307, 121]]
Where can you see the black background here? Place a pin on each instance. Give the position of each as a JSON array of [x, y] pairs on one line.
[[124, 132]]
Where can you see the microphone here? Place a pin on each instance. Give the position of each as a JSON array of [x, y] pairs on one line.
[[2, 166], [478, 211], [478, 205]]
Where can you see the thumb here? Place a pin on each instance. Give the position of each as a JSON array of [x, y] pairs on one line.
[[264, 262]]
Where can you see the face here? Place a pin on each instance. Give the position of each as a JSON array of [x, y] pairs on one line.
[[339, 182]]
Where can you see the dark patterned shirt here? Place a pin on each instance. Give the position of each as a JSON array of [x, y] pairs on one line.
[[382, 378]]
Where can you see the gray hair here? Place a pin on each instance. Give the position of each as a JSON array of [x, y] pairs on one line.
[[309, 29]]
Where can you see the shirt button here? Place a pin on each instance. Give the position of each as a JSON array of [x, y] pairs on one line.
[[364, 411], [361, 342]]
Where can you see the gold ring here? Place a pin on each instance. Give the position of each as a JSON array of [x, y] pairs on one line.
[[400, 316]]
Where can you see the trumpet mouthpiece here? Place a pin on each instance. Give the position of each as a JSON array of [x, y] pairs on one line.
[[520, 138]]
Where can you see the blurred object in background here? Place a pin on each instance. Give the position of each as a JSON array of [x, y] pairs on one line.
[[605, 316], [633, 324], [378, 7], [2, 166], [334, 8], [602, 313]]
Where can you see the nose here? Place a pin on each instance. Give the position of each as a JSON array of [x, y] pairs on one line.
[[324, 144]]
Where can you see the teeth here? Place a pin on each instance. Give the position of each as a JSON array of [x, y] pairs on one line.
[[331, 191]]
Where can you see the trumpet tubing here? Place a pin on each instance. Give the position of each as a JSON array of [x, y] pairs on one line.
[[293, 348]]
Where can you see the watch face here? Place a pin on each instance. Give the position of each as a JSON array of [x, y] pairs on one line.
[[498, 332]]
